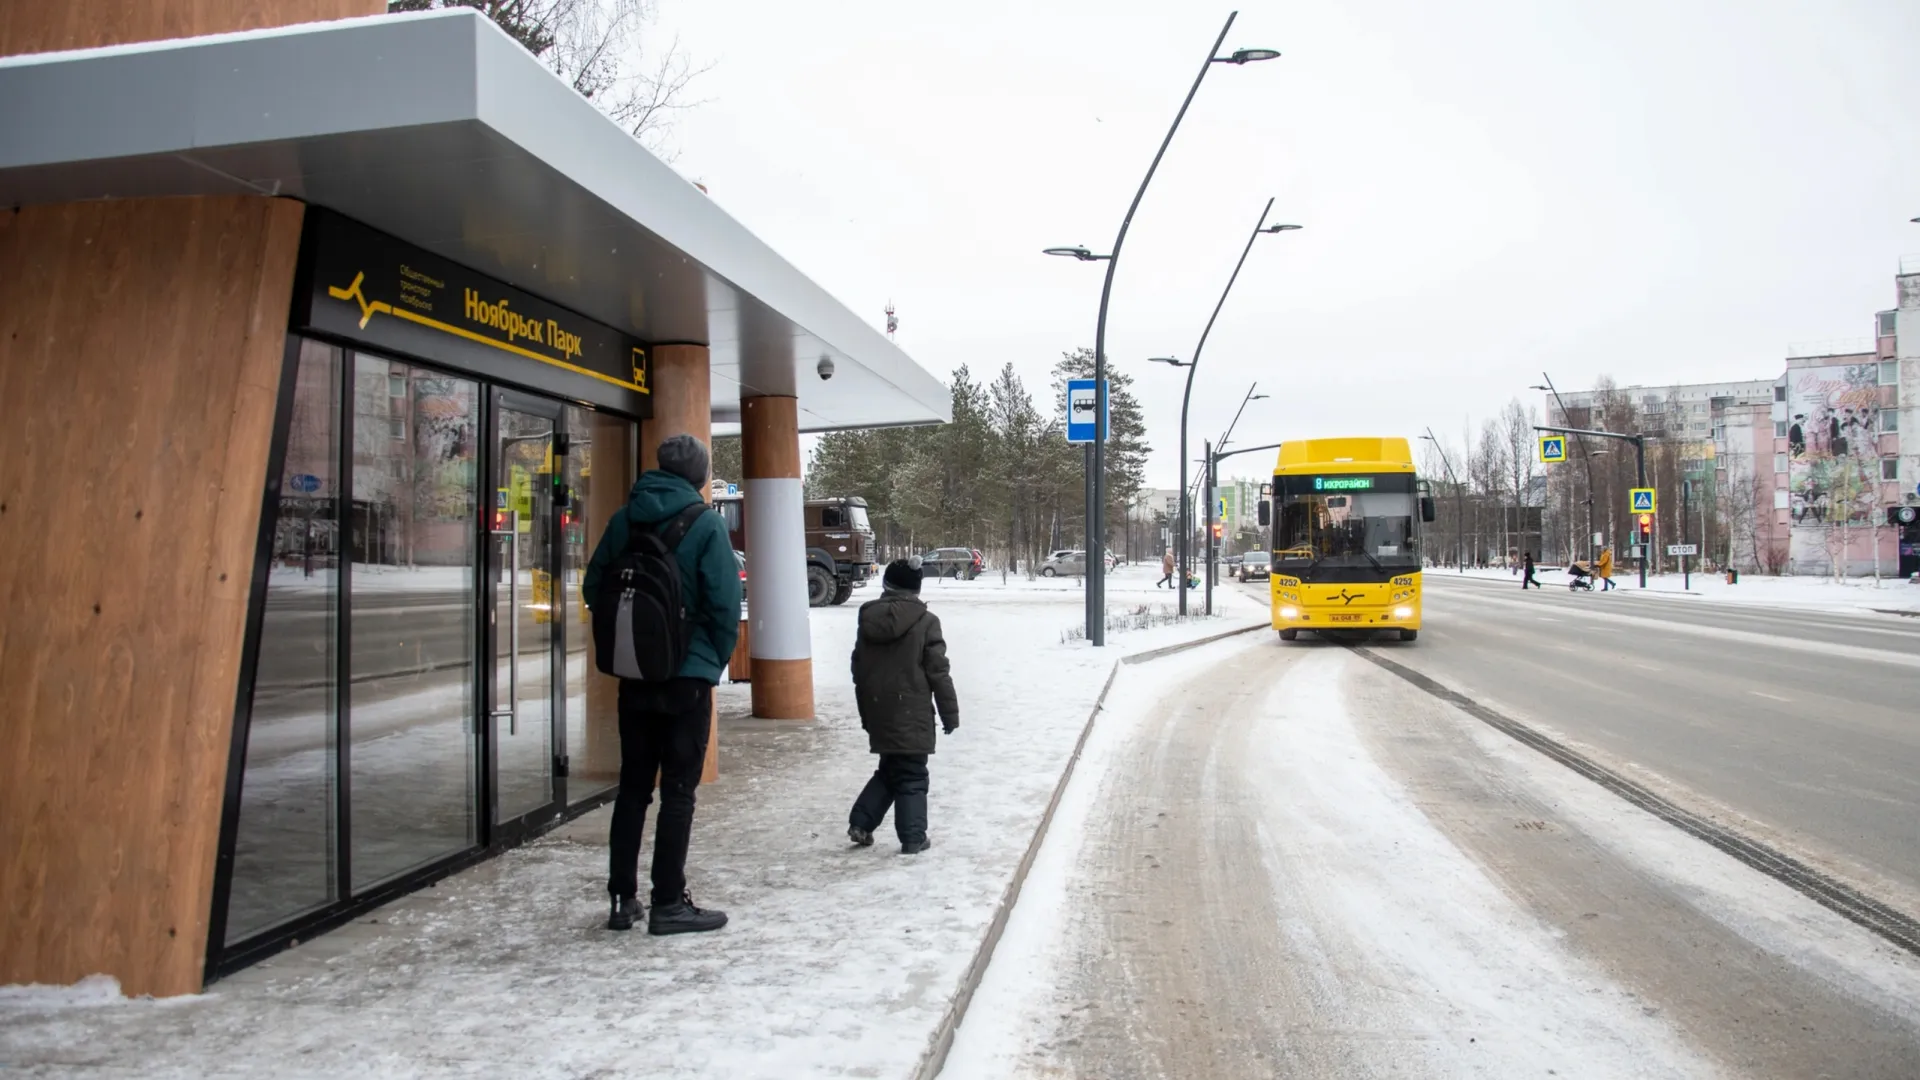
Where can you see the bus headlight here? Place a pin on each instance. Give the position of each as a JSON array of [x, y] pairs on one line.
[[1403, 613], [1289, 613]]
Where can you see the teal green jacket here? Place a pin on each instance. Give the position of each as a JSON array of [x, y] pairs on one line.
[[709, 576]]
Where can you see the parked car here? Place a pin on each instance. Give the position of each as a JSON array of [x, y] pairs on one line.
[[1256, 564], [953, 562], [1065, 564]]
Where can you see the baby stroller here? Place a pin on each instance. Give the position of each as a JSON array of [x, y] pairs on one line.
[[1579, 578]]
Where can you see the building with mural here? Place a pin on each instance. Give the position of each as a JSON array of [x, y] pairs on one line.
[[1805, 473]]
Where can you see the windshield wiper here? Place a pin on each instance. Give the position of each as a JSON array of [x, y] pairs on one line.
[[1377, 564]]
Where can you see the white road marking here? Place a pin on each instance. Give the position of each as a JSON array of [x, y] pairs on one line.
[[1769, 697]]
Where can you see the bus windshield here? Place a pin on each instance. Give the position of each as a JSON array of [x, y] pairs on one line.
[[1346, 528]]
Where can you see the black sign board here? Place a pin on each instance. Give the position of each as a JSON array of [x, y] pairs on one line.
[[365, 286]]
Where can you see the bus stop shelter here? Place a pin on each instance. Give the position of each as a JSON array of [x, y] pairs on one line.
[[326, 350]]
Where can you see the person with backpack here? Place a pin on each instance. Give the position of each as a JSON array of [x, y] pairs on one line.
[[663, 591], [900, 677]]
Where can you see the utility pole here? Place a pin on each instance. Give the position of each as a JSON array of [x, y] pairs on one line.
[[1686, 573], [1640, 463]]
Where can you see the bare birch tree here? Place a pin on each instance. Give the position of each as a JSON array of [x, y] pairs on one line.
[[605, 51]]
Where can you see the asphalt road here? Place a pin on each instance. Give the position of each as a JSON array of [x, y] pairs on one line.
[[1802, 728], [1296, 863]]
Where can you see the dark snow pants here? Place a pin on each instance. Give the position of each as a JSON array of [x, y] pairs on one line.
[[663, 732], [901, 783]]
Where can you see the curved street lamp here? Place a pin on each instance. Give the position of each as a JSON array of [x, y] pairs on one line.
[[1459, 502], [1260, 228], [1097, 489], [1080, 253]]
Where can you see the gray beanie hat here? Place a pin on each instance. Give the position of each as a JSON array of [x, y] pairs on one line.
[[686, 457]]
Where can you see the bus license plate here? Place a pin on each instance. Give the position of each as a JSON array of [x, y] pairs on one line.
[[1344, 618]]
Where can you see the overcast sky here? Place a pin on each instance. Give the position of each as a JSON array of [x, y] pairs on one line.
[[1660, 190]]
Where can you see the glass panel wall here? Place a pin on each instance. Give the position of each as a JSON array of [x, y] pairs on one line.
[[284, 860], [600, 472], [414, 547]]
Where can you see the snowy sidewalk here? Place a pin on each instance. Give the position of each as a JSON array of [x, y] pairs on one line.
[[838, 961]]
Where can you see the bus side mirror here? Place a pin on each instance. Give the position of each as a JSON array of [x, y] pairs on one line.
[[1426, 508], [1266, 513]]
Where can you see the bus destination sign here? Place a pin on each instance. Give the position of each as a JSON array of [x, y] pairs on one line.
[[1343, 483]]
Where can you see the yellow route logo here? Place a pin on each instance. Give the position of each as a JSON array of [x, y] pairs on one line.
[[353, 293]]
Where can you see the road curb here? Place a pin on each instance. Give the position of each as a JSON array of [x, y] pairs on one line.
[[935, 1057]]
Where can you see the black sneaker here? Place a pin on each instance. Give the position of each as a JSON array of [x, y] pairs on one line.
[[624, 910], [683, 918], [915, 849], [859, 836]]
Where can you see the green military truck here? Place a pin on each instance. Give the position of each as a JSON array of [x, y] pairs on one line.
[[839, 539]]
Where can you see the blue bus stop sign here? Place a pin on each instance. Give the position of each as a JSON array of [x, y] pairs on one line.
[[1082, 401]]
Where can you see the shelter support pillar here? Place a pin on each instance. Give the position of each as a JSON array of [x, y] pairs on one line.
[[779, 644], [683, 405]]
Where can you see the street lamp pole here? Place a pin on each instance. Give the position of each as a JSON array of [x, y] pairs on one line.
[[1096, 510], [1459, 503], [1185, 555], [1214, 454]]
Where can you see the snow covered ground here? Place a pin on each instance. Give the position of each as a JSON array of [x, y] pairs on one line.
[[1812, 593], [1266, 864], [838, 962]]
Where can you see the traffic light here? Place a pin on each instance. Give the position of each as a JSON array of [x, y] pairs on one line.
[[1646, 528], [1219, 530]]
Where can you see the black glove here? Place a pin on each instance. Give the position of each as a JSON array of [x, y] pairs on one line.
[[951, 725]]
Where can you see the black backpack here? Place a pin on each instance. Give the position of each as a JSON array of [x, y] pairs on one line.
[[640, 624]]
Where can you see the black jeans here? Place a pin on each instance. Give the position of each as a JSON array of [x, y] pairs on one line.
[[1529, 580], [663, 730], [900, 783]]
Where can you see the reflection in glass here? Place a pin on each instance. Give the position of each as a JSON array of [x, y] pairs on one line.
[[523, 616], [284, 855], [600, 472], [411, 585]]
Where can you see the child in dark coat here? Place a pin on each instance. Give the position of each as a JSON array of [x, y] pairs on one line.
[[899, 679]]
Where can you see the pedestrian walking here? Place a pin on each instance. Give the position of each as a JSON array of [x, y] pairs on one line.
[[1528, 578], [900, 679], [1166, 570], [664, 722], [1605, 569]]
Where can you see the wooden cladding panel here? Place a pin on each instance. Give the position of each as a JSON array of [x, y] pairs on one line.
[[782, 689], [140, 355], [770, 438], [683, 405], [682, 402], [31, 26]]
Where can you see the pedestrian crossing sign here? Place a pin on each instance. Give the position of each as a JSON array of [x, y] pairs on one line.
[[1553, 448], [1642, 501]]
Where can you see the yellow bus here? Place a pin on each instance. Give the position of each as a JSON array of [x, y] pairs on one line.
[[1346, 517]]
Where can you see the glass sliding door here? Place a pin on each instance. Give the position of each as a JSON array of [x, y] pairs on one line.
[[286, 846], [524, 573], [422, 672], [412, 586]]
